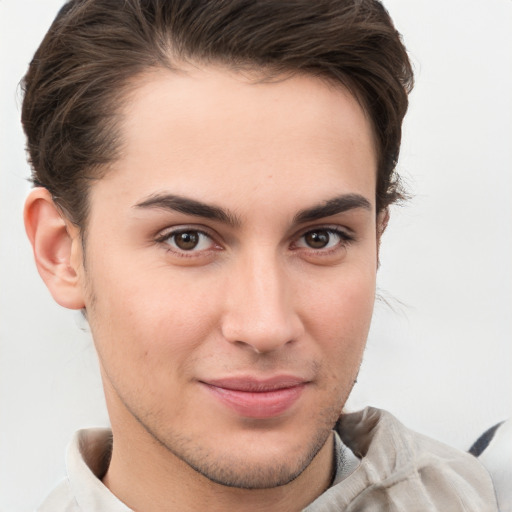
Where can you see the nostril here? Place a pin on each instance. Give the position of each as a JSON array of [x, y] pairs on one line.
[[265, 338], [264, 347]]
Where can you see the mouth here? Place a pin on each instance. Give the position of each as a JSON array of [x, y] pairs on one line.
[[257, 398]]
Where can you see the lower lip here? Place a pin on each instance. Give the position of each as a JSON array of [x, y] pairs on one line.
[[265, 404]]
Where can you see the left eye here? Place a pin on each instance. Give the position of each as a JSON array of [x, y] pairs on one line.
[[322, 239], [189, 240]]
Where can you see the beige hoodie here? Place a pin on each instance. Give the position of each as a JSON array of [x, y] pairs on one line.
[[399, 471], [403, 471]]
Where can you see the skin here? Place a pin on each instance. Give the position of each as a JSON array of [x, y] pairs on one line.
[[252, 298]]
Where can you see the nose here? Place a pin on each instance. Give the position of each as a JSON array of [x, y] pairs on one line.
[[260, 313]]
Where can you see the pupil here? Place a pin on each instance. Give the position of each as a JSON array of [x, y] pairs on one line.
[[317, 239], [187, 241]]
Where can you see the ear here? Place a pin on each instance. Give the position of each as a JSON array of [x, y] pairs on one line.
[[57, 248], [382, 224]]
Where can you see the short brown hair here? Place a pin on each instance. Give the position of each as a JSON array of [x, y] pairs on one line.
[[77, 80]]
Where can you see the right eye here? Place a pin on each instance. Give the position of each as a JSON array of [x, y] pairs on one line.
[[187, 241]]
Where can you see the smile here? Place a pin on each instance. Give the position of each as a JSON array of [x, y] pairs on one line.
[[260, 399]]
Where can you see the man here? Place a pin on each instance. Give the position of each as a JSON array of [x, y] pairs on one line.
[[212, 181]]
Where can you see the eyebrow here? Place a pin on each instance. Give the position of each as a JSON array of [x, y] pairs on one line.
[[196, 208], [189, 207], [333, 206]]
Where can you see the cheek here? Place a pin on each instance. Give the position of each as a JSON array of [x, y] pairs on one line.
[[338, 317], [343, 302], [138, 320]]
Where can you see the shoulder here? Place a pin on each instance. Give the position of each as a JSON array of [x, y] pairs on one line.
[[60, 500], [410, 471], [494, 450], [87, 460]]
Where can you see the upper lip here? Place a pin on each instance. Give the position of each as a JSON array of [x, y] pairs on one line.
[[255, 384]]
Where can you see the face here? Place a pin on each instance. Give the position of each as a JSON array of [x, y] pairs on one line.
[[230, 266]]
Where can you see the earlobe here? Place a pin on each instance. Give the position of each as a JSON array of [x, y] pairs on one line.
[[57, 248]]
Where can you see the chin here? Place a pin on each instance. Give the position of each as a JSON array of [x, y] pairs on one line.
[[262, 460], [243, 474]]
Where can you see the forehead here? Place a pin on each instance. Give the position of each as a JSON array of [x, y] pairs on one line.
[[217, 131]]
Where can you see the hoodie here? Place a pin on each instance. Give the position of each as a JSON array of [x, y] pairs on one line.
[[394, 470]]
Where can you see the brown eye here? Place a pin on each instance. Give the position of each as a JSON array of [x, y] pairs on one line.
[[324, 239], [184, 241], [317, 239], [187, 240]]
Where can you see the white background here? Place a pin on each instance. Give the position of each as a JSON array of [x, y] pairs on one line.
[[439, 355]]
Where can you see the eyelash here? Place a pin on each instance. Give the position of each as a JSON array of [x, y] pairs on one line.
[[344, 240], [164, 239]]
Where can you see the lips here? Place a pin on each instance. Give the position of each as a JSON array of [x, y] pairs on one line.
[[257, 398]]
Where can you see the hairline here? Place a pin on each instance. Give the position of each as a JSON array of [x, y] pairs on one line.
[[253, 72]]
